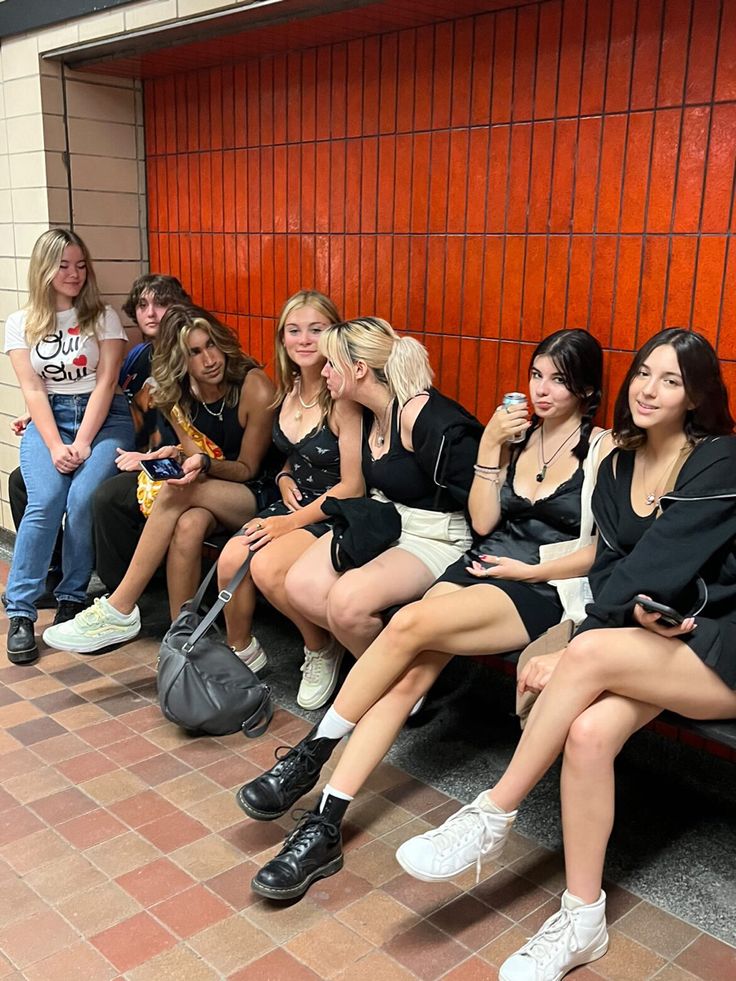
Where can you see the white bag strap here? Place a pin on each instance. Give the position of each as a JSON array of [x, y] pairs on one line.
[[590, 472]]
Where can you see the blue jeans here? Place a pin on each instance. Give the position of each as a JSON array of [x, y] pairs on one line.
[[52, 495]]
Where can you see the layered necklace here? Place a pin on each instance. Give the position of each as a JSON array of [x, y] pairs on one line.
[[544, 464], [382, 426], [217, 414], [305, 405]]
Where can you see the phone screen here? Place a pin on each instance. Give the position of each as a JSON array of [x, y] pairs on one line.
[[166, 469]]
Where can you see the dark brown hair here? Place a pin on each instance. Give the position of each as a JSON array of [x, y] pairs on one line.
[[166, 290]]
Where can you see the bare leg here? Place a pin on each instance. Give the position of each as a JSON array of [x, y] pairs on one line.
[[356, 600], [374, 735], [587, 786], [239, 611], [231, 504], [309, 581], [475, 620], [184, 558], [269, 570], [632, 662]]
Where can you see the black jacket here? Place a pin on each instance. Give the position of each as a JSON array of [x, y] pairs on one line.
[[445, 439], [685, 559]]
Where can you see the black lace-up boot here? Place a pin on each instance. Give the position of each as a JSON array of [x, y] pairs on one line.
[[295, 773], [313, 850]]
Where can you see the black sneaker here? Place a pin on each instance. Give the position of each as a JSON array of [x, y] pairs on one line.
[[312, 851], [277, 790], [67, 610], [22, 647]]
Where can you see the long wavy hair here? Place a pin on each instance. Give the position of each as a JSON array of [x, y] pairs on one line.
[[46, 259], [578, 357], [170, 364], [288, 373], [704, 386], [400, 363]]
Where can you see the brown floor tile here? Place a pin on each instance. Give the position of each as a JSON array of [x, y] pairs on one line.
[[32, 786], [61, 748], [142, 808], [470, 922], [86, 767], [132, 750], [58, 701], [104, 733], [400, 834], [416, 797], [511, 895], [709, 959], [7, 800], [231, 772], [55, 661], [123, 854], [133, 941], [375, 862], [663, 933], [378, 917], [114, 786], [62, 806], [424, 898], [533, 921], [35, 688], [276, 964], [90, 829], [81, 717], [426, 951], [18, 762], [173, 831], [234, 885], [155, 881], [329, 947], [282, 921], [8, 697], [542, 867], [177, 964], [338, 891], [121, 704], [503, 946], [671, 972], [217, 812], [79, 961], [168, 737], [187, 789], [98, 909], [144, 719], [27, 941], [58, 880], [34, 850], [207, 857], [378, 815], [384, 776], [16, 823], [19, 902], [201, 752], [378, 966], [35, 731], [76, 674], [231, 944], [473, 969], [19, 714], [627, 959], [159, 769], [191, 911], [254, 837], [619, 902], [7, 743]]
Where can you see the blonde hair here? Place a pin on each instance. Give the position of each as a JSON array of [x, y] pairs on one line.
[[287, 372], [170, 364], [400, 363], [46, 259]]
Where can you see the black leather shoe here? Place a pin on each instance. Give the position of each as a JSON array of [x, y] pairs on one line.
[[67, 610], [277, 790], [22, 647], [312, 851]]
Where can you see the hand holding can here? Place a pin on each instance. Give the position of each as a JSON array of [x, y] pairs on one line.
[[515, 400]]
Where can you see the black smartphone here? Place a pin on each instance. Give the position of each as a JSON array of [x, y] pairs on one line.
[[667, 616], [164, 469]]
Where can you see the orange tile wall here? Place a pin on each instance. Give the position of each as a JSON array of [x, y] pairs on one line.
[[480, 182]]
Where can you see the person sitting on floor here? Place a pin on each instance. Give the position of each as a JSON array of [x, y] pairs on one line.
[[220, 403], [320, 440]]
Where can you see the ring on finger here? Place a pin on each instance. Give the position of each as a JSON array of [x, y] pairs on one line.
[[258, 526]]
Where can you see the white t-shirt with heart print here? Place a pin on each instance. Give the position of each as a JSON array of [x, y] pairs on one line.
[[67, 359]]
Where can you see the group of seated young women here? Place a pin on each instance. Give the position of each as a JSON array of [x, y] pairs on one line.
[[354, 412]]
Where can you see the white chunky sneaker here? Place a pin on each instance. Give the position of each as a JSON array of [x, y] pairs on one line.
[[465, 839], [319, 675], [253, 655], [574, 936], [99, 626]]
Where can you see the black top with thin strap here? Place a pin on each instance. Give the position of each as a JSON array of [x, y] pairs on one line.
[[314, 459], [397, 473], [226, 433]]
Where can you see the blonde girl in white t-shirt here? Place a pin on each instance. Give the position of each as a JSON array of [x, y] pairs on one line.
[[65, 347]]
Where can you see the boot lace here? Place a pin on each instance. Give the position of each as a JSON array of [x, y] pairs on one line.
[[293, 761], [467, 827], [310, 825], [556, 934]]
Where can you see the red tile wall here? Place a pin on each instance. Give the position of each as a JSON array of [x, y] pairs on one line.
[[480, 182]]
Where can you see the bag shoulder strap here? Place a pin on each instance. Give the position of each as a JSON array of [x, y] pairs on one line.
[[590, 473], [223, 597]]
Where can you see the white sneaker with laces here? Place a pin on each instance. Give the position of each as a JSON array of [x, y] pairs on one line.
[[465, 839], [99, 626], [574, 936], [253, 655], [319, 675]]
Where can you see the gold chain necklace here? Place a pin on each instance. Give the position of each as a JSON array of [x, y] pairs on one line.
[[651, 496], [382, 427], [305, 405]]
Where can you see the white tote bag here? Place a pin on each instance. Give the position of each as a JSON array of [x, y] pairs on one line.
[[575, 593]]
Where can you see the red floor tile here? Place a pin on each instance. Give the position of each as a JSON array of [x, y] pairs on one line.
[[191, 911], [169, 833], [133, 942], [155, 882]]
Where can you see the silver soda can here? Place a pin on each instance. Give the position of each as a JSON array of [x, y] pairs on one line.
[[514, 399]]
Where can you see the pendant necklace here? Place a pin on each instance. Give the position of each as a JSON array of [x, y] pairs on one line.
[[383, 425], [651, 497], [305, 405], [218, 413], [544, 464]]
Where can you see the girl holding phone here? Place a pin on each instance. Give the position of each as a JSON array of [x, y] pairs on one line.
[[623, 666]]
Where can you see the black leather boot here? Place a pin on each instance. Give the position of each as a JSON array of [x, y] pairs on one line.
[[277, 790], [312, 851], [22, 647]]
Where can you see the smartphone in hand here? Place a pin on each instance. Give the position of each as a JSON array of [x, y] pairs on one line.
[[164, 469], [667, 616]]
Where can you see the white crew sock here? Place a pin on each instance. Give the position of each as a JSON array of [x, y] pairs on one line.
[[330, 791], [572, 902], [333, 726], [485, 803]]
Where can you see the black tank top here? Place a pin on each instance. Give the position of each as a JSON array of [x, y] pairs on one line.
[[396, 474], [226, 433], [631, 526], [314, 459]]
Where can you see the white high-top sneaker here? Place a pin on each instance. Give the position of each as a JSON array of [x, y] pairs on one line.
[[574, 936], [465, 839]]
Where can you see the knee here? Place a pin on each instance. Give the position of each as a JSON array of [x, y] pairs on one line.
[[189, 532], [348, 608], [583, 653], [231, 558], [307, 594], [404, 627], [589, 744], [266, 571]]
